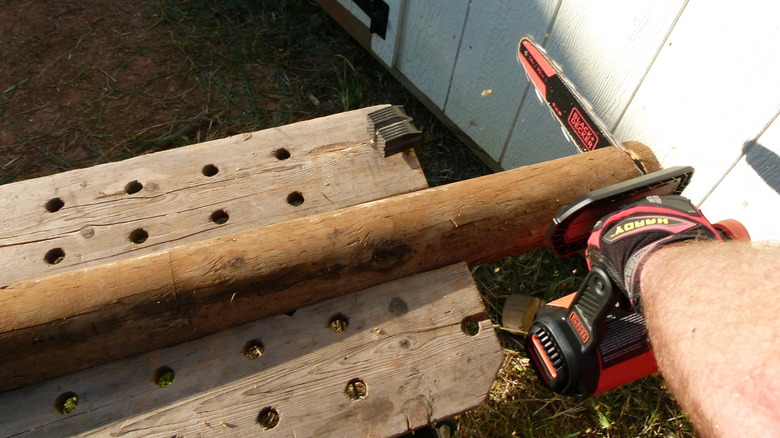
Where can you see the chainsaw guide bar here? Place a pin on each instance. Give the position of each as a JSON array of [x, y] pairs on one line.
[[579, 122]]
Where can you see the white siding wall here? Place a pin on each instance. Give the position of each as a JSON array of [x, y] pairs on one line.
[[605, 48], [712, 90], [696, 80], [429, 45], [487, 86]]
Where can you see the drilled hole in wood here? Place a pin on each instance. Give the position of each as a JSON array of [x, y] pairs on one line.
[[220, 217], [164, 376], [254, 349], [54, 205], [338, 323], [209, 170], [470, 326], [282, 154], [268, 418], [54, 256], [133, 187], [138, 236], [295, 199], [356, 389], [66, 403]]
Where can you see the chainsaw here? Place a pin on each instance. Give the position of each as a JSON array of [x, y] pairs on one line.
[[591, 341]]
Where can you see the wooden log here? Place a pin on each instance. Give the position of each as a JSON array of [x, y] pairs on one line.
[[77, 319], [404, 342]]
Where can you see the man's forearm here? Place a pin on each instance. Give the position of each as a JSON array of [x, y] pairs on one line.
[[712, 311]]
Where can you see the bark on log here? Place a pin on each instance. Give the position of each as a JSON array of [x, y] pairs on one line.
[[71, 321]]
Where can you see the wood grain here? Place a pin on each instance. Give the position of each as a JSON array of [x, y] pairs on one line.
[[404, 340], [80, 318], [328, 161]]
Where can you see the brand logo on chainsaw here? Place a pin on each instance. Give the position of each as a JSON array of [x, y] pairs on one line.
[[630, 225], [583, 130], [579, 327], [534, 63]]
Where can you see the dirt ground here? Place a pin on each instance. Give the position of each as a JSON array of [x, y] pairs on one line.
[[77, 76], [84, 82]]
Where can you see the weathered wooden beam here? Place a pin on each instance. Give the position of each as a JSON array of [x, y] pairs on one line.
[[77, 319], [89, 217], [403, 341]]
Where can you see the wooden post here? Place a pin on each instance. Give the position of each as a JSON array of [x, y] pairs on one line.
[[74, 320]]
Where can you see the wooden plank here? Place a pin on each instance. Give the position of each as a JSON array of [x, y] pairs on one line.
[[428, 48], [110, 311], [710, 91], [341, 12], [355, 11], [487, 85], [605, 48], [749, 191], [404, 341], [385, 49], [328, 161]]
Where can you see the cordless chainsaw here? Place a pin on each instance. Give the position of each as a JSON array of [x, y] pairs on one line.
[[591, 341]]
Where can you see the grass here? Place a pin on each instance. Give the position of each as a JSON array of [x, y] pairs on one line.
[[519, 406], [191, 71]]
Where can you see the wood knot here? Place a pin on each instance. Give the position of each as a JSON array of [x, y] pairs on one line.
[[233, 264], [390, 255], [398, 307]]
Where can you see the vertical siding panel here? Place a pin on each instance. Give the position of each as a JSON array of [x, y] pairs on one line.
[[605, 48], [487, 85], [427, 50], [385, 48], [712, 88], [749, 192]]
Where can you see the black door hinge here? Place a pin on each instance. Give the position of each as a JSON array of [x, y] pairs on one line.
[[377, 11]]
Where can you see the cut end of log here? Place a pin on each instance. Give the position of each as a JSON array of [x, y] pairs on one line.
[[643, 157]]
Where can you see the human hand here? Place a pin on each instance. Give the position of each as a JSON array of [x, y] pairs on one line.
[[621, 242]]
